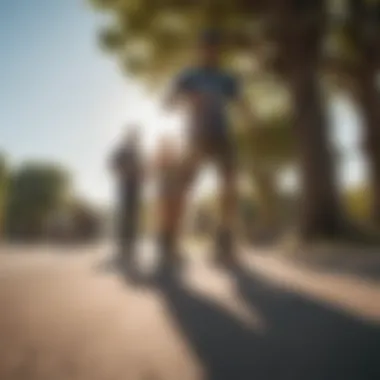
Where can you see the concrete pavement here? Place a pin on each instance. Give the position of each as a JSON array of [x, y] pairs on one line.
[[64, 318]]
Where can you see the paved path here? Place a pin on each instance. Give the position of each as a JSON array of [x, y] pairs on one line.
[[63, 317]]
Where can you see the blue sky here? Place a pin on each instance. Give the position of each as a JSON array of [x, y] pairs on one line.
[[62, 99]]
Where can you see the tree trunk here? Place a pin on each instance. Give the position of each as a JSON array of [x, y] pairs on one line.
[[320, 209], [299, 31], [365, 35], [369, 100]]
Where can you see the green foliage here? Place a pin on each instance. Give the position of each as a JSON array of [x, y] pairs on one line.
[[4, 180], [270, 144], [152, 38], [352, 43], [36, 191], [358, 203]]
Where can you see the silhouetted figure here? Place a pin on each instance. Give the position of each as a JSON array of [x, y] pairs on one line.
[[126, 164], [206, 89]]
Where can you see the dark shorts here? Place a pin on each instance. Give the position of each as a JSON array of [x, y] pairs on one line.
[[218, 148]]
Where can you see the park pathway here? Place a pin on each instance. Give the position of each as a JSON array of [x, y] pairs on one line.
[[64, 316]]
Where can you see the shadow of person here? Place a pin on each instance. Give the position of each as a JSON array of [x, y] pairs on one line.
[[127, 270], [312, 341], [226, 347]]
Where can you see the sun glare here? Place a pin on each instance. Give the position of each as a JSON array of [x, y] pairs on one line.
[[143, 109]]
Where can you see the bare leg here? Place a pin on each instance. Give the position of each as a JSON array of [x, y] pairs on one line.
[[228, 211], [174, 205], [228, 201]]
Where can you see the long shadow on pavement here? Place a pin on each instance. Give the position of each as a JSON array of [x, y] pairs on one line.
[[226, 348], [369, 271], [312, 340], [305, 340]]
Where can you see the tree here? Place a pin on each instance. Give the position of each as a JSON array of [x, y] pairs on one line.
[[264, 152], [36, 191], [358, 203], [86, 220], [4, 179], [365, 32], [152, 39], [298, 29], [357, 62]]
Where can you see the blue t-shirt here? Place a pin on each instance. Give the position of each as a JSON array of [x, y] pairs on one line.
[[216, 88]]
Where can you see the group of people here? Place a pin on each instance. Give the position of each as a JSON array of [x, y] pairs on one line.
[[206, 90]]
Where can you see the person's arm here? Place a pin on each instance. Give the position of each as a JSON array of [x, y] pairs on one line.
[[241, 102]]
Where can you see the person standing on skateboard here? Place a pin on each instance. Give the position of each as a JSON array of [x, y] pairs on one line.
[[207, 90]]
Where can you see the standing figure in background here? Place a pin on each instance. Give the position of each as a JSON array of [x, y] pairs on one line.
[[126, 165]]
